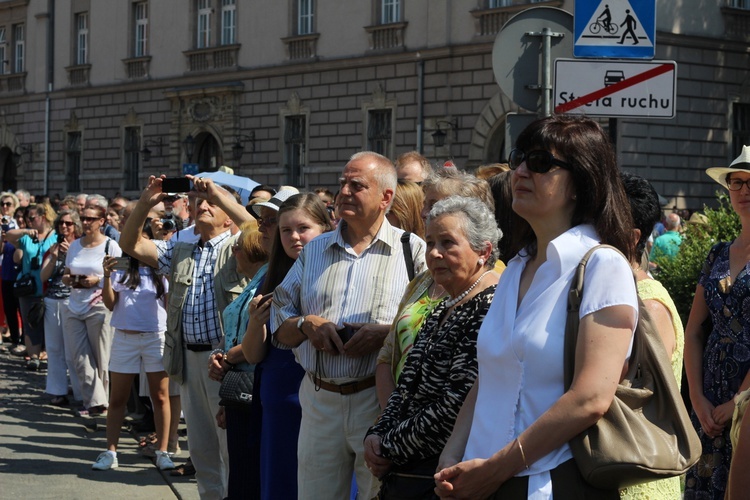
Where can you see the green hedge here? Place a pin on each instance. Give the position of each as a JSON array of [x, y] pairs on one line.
[[680, 275]]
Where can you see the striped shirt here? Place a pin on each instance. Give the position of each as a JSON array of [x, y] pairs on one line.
[[200, 316], [330, 280]]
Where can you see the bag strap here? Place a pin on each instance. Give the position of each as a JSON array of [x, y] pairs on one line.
[[106, 246], [575, 297], [406, 243]]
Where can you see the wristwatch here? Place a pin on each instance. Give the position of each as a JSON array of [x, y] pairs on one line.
[[300, 322]]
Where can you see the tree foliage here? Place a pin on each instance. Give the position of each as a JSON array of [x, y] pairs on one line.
[[680, 275]]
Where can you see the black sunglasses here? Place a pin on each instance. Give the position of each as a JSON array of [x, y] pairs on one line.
[[538, 161]]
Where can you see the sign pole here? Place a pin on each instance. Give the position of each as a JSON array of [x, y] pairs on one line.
[[546, 86]]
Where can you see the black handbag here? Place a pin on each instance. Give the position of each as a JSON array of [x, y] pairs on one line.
[[237, 389], [24, 286], [413, 481]]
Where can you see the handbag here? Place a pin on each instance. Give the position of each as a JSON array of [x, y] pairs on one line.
[[24, 286], [237, 389], [646, 434], [237, 386], [411, 481]]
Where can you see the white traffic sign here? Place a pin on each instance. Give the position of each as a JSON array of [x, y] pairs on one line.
[[623, 29], [615, 88]]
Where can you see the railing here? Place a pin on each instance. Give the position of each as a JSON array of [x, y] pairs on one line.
[[78, 75], [301, 46], [488, 22], [386, 36], [212, 58], [13, 82], [137, 67]]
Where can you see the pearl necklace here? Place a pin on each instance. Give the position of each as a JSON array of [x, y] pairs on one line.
[[452, 302]]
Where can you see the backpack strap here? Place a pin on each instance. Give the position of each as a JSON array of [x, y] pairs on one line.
[[406, 243]]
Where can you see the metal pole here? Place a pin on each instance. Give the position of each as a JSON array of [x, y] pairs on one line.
[[420, 105], [546, 72]]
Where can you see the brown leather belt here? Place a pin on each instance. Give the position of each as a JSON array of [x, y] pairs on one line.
[[344, 389]]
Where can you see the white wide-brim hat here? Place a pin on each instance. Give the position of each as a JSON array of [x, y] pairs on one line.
[[740, 164], [274, 203]]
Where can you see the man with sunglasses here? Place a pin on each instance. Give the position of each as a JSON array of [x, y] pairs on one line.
[[203, 280]]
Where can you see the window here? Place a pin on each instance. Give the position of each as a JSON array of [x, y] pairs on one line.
[[228, 22], [390, 11], [494, 4], [82, 38], [740, 127], [3, 51], [379, 131], [204, 24], [132, 158], [740, 4], [140, 38], [19, 48], [73, 160], [294, 148], [305, 13]]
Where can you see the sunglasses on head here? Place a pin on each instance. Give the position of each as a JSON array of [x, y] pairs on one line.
[[538, 161]]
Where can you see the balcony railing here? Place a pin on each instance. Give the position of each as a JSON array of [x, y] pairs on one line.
[[78, 75], [13, 82], [212, 58], [301, 46], [488, 22], [386, 36], [137, 67]]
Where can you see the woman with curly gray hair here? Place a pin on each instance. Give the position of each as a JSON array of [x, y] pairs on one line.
[[403, 447]]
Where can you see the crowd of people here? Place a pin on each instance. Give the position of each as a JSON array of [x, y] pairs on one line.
[[400, 338]]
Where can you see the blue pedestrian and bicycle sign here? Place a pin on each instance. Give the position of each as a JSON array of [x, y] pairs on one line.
[[623, 29]]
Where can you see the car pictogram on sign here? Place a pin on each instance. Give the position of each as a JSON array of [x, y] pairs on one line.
[[613, 76]]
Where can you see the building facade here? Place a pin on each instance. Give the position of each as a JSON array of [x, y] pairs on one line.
[[95, 96]]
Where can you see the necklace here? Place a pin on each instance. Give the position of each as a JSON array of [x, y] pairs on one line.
[[458, 298]]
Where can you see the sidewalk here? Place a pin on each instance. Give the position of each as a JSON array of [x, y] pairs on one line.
[[47, 452]]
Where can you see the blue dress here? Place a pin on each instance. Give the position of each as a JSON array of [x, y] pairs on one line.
[[726, 361]]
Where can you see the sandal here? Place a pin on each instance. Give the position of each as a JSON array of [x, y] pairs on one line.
[[144, 441], [186, 469], [59, 401]]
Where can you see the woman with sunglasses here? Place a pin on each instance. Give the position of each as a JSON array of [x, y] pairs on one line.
[[717, 359], [33, 242], [8, 274], [301, 218], [86, 322], [511, 437], [60, 361]]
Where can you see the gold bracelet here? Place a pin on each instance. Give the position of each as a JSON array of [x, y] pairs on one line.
[[523, 455]]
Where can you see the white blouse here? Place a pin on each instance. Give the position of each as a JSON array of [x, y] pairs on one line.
[[520, 349]]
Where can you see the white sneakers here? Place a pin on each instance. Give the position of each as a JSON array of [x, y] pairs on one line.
[[108, 460], [105, 461], [163, 460]]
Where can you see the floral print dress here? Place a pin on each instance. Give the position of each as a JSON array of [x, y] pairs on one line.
[[726, 360]]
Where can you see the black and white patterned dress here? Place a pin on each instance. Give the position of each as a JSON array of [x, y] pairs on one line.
[[440, 370]]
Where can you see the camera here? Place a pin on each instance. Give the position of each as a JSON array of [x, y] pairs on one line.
[[60, 238], [5, 223], [168, 223]]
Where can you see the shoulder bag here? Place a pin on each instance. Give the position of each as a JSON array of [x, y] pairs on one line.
[[646, 434]]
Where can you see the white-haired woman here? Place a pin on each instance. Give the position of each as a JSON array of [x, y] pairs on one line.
[[403, 447]]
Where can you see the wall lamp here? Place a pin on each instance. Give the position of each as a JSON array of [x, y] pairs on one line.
[[146, 153], [17, 155], [188, 145], [438, 136], [238, 149]]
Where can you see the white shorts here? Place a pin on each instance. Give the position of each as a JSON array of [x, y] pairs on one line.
[[130, 351]]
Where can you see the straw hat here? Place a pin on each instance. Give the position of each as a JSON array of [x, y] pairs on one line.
[[740, 164]]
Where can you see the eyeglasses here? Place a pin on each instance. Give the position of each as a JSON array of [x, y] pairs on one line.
[[67, 223], [7, 204], [267, 222], [736, 184], [89, 219], [538, 161]]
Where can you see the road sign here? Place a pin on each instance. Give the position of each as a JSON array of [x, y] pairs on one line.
[[615, 88], [517, 54], [624, 29]]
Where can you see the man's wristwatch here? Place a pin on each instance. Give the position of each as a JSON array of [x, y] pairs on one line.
[[300, 322]]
